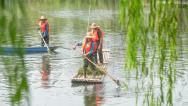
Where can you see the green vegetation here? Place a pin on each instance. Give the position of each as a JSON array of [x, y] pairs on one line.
[[153, 30], [12, 12], [89, 71]]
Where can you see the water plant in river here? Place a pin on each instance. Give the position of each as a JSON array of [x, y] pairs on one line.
[[152, 28], [14, 71], [89, 71]]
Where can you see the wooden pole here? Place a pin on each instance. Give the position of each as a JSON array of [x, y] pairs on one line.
[[44, 42], [104, 71]]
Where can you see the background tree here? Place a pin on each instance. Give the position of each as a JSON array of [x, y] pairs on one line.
[[152, 25]]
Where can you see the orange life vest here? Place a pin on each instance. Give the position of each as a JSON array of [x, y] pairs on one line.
[[96, 38], [102, 33], [86, 46]]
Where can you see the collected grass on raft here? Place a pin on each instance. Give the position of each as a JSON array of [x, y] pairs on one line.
[[89, 71]]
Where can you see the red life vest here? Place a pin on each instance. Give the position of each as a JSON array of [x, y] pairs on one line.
[[96, 38], [102, 33], [86, 46], [43, 26]]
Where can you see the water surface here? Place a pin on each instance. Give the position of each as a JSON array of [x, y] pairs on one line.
[[50, 75]]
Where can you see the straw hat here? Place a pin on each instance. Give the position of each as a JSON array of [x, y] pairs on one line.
[[94, 25], [89, 35], [43, 18]]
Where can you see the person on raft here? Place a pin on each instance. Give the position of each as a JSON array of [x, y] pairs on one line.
[[98, 38], [89, 48]]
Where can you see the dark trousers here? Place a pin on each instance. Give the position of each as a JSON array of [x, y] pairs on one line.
[[46, 39], [99, 52], [87, 63]]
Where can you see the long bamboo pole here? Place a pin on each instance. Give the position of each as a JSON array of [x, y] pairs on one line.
[[104, 71]]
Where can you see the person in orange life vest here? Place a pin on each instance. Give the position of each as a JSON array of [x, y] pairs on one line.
[[89, 48], [99, 35], [44, 29]]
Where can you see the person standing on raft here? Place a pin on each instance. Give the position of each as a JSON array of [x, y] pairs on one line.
[[98, 38], [89, 48]]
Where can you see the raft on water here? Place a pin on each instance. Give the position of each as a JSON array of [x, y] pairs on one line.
[[90, 78]]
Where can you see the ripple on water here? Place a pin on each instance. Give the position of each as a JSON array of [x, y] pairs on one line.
[[185, 103]]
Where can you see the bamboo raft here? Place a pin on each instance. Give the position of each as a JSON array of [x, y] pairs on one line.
[[88, 80], [79, 78]]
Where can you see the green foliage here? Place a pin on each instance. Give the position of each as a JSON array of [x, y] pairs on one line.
[[89, 71], [131, 18], [157, 31], [15, 71]]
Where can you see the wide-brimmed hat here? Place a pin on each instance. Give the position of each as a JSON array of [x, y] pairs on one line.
[[94, 25], [43, 18], [89, 35]]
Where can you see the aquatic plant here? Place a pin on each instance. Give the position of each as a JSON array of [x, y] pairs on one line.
[[14, 71]]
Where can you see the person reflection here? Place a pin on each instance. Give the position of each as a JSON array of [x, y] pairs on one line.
[[94, 97], [45, 72]]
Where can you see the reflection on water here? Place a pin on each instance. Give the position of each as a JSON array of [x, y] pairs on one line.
[[46, 69], [94, 95]]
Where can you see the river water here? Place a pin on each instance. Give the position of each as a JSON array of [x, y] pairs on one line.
[[50, 75]]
